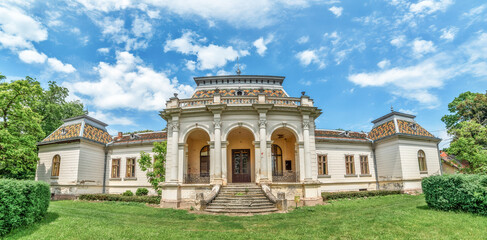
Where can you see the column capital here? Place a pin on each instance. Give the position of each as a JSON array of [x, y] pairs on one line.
[[262, 123], [306, 124], [175, 126], [217, 124]]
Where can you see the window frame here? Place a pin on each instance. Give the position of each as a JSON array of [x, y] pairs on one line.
[[56, 166], [349, 165], [277, 160], [130, 167], [364, 165], [423, 167], [322, 160], [207, 173], [118, 168]]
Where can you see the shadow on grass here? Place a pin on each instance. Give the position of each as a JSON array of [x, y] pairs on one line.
[[424, 207], [25, 231]]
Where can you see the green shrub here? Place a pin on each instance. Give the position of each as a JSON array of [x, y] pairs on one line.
[[120, 198], [128, 193], [142, 192], [458, 192], [337, 195], [22, 202]]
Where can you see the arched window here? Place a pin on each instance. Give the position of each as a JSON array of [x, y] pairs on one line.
[[56, 163], [422, 162], [205, 161], [276, 160]]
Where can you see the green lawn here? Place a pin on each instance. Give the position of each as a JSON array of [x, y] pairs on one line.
[[388, 217]]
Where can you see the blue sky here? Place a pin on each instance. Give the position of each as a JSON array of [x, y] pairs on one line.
[[124, 59]]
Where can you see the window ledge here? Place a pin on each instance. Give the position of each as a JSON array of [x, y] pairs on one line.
[[115, 179], [423, 172], [324, 176], [366, 175], [350, 175], [130, 179], [54, 177]]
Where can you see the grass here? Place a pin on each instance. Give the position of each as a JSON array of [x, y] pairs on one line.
[[387, 217]]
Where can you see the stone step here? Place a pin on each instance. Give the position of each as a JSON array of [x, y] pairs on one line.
[[240, 201], [240, 195], [239, 198], [243, 211], [238, 207], [262, 205]]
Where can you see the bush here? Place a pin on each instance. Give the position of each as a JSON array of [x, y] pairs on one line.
[[128, 193], [22, 202], [459, 192], [120, 198], [142, 192], [337, 195]]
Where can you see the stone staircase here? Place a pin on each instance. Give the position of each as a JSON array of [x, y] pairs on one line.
[[241, 199]]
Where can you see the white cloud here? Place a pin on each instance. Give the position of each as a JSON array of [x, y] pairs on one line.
[[335, 39], [208, 57], [141, 27], [110, 119], [309, 56], [421, 47], [429, 6], [303, 39], [222, 72], [190, 65], [384, 64], [17, 30], [408, 111], [261, 44], [136, 38], [103, 50], [449, 33], [336, 10], [129, 84], [240, 13], [32, 56], [398, 41], [58, 66], [475, 11], [305, 82]]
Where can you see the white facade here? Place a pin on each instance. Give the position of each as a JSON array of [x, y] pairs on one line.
[[247, 129]]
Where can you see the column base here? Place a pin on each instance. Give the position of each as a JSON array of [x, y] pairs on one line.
[[171, 195], [311, 193]]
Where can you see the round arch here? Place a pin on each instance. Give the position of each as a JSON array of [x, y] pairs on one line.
[[286, 126], [236, 125], [193, 128]]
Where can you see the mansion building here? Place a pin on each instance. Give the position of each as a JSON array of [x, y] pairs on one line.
[[241, 129]]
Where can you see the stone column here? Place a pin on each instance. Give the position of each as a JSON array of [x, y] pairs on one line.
[[218, 150], [175, 150], [263, 148], [307, 159]]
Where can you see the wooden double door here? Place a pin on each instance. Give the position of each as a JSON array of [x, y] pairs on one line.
[[241, 168]]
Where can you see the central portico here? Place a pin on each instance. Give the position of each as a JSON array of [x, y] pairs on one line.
[[238, 129]]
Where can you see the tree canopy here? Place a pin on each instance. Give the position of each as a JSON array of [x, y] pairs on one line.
[[468, 126], [27, 114], [155, 170]]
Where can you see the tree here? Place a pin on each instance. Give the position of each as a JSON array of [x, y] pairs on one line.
[[467, 125], [53, 107], [156, 170], [20, 128], [467, 106], [470, 144]]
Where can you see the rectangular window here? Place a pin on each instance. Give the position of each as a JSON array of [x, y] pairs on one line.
[[322, 165], [130, 167], [364, 165], [349, 165], [115, 168]]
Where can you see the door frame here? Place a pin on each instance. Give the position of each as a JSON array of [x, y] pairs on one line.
[[242, 177]]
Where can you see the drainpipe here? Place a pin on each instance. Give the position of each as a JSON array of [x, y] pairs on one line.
[[439, 158], [375, 170], [105, 169]]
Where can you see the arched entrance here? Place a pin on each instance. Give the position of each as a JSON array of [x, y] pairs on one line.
[[284, 155], [197, 167], [240, 156]]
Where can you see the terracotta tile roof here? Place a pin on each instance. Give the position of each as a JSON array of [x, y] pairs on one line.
[[340, 135], [66, 132], [96, 134], [233, 92], [412, 129], [383, 130], [141, 137], [452, 161], [73, 131]]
